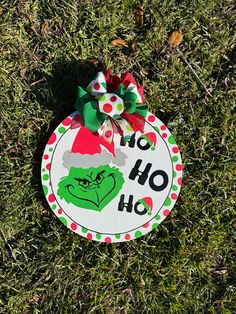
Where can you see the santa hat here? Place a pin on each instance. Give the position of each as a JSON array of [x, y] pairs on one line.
[[147, 203], [151, 138], [91, 150]]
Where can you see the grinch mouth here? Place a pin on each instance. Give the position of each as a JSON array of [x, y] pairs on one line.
[[69, 186]]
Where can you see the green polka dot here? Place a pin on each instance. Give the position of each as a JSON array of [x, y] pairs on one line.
[[102, 98], [117, 236], [138, 234], [61, 129], [54, 206], [167, 202], [63, 220], [154, 226], [152, 148], [149, 213], [45, 177], [84, 230], [175, 158], [171, 139], [50, 149], [119, 107], [43, 170], [128, 128], [45, 189], [174, 187], [158, 217], [98, 236], [174, 174]]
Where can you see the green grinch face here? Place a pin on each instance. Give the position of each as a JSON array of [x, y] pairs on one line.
[[91, 188]]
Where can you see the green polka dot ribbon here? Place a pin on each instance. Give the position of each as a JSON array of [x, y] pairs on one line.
[[107, 101]]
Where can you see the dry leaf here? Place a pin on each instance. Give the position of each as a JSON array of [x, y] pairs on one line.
[[139, 16], [218, 271], [119, 42], [175, 39], [127, 292], [46, 27], [132, 44], [35, 299], [94, 61]]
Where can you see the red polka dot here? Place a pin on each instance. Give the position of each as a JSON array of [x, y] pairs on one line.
[[175, 150], [173, 196], [108, 134], [59, 211], [127, 236], [51, 198], [52, 139], [163, 127], [48, 166], [164, 135], [108, 239], [89, 236], [146, 225], [180, 181], [45, 157], [151, 118], [96, 86], [178, 167], [73, 226], [102, 127], [66, 121], [166, 212], [107, 108], [113, 98]]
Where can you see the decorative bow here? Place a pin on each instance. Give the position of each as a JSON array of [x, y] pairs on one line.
[[112, 105]]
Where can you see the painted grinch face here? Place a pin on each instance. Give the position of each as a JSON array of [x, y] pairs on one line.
[[91, 188]]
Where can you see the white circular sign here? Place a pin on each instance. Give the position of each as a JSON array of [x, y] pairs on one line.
[[111, 198]]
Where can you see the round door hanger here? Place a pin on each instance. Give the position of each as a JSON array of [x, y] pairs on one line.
[[111, 197]]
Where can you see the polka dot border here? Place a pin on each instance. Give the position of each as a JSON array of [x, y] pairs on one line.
[[159, 127]]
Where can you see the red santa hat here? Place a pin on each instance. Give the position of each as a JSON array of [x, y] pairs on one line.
[[91, 150], [151, 138]]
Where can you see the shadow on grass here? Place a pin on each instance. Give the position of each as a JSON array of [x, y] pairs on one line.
[[58, 94]]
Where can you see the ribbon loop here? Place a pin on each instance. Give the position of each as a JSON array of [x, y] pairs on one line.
[[112, 110]]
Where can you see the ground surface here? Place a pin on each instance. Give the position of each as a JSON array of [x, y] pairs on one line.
[[188, 265]]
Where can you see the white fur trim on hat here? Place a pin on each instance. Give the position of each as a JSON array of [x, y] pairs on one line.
[[86, 161]]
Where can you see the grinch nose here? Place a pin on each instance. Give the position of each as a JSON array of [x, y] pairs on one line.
[[93, 186]]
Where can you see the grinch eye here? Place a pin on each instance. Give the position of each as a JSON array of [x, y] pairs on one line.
[[100, 177], [82, 182]]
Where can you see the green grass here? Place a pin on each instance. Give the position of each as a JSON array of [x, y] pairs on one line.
[[188, 265]]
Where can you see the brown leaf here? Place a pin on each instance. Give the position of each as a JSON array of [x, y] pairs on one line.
[[175, 39], [132, 44], [45, 27], [139, 16], [119, 42], [218, 271], [127, 292], [35, 299], [94, 61]]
